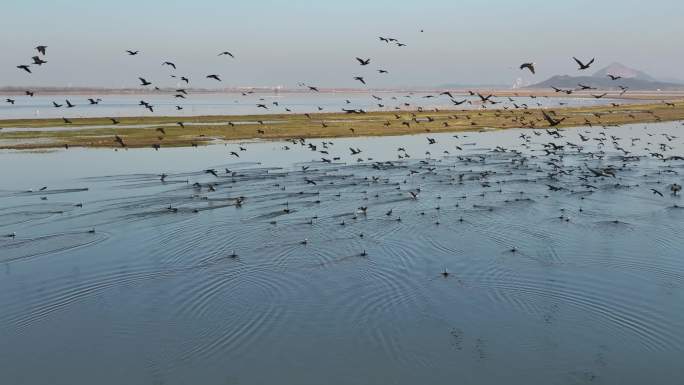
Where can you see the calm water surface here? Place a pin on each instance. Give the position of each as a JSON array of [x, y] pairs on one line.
[[178, 284], [195, 104]]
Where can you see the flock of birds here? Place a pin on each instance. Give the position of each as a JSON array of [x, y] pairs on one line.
[[182, 93], [548, 118]]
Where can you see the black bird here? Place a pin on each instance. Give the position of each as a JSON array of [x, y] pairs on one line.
[[132, 53], [613, 77], [600, 96], [67, 121], [656, 192], [10, 101], [216, 77], [29, 93], [94, 101], [583, 66], [69, 105], [584, 88], [363, 62], [114, 121], [383, 71], [144, 82], [41, 49], [25, 67], [38, 61], [226, 53], [56, 105], [552, 122], [529, 66], [186, 80], [168, 63], [360, 78]]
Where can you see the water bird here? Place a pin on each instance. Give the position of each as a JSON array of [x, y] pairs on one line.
[[583, 66], [529, 66]]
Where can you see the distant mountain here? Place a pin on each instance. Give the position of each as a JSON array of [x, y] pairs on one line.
[[632, 78], [618, 69], [604, 83]]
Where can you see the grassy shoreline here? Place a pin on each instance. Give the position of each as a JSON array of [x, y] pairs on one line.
[[200, 130]]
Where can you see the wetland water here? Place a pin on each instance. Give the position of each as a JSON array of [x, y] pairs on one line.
[[332, 273]]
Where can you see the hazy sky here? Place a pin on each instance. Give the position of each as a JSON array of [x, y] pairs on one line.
[[283, 42]]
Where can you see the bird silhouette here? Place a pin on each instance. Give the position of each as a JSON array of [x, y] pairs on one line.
[[529, 66], [583, 66]]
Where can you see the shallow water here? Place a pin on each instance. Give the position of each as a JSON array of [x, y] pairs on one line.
[[195, 104], [153, 282]]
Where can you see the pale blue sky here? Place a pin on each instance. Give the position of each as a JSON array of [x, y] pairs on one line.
[[288, 41]]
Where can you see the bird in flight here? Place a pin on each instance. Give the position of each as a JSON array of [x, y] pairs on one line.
[[132, 53], [583, 66], [144, 82], [226, 53], [41, 49], [363, 62], [216, 77], [529, 66], [38, 61], [614, 77], [25, 68], [168, 63], [600, 96], [552, 121], [360, 78]]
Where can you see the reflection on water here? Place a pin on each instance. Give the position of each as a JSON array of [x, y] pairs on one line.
[[331, 272]]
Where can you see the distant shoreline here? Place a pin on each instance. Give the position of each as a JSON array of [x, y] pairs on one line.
[[137, 132], [90, 91]]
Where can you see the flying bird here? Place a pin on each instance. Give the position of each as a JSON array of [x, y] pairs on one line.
[[38, 61], [529, 66], [168, 63], [144, 82], [41, 49], [132, 53], [226, 53], [216, 77], [25, 68], [552, 122], [583, 66]]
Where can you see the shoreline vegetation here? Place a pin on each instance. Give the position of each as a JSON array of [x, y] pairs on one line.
[[172, 131]]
